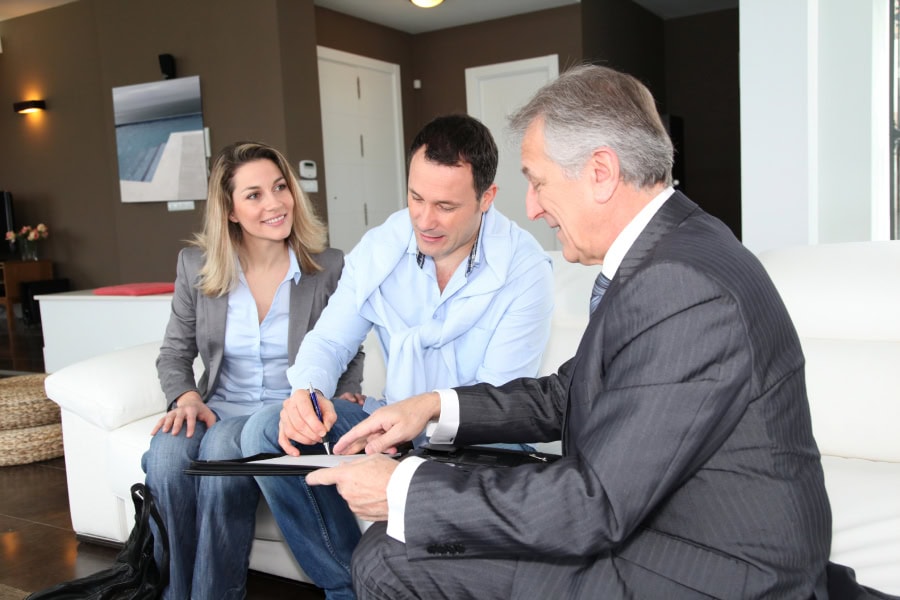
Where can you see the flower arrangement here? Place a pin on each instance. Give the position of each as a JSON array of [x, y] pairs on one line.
[[27, 238]]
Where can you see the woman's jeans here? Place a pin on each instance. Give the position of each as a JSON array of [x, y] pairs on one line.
[[210, 520], [316, 522]]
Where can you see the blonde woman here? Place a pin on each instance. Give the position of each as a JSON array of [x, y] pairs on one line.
[[246, 292]]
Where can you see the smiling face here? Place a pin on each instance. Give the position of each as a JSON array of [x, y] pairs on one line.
[[444, 209], [263, 204]]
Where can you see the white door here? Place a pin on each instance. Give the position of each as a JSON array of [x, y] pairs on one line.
[[362, 133], [494, 92]]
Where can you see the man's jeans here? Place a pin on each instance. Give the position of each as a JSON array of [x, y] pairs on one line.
[[210, 520], [316, 522]]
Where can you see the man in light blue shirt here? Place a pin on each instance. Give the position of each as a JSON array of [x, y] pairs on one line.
[[457, 294]]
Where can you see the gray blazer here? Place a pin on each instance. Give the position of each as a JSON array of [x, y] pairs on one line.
[[197, 326], [690, 469]]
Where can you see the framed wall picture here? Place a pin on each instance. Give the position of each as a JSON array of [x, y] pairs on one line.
[[160, 141]]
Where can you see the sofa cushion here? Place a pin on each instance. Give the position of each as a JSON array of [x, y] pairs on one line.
[[855, 405], [866, 519], [840, 291], [92, 388], [843, 300]]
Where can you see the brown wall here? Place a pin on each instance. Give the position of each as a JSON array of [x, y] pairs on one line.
[[257, 65], [441, 57], [625, 36], [691, 66], [61, 167], [703, 88], [56, 163]]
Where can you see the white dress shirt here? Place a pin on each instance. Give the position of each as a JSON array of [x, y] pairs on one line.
[[255, 358]]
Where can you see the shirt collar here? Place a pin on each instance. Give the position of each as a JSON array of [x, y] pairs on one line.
[[293, 271], [626, 238]]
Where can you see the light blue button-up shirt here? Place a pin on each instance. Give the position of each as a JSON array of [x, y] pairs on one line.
[[490, 325], [255, 361]]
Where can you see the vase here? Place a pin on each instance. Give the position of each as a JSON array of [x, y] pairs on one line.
[[28, 250]]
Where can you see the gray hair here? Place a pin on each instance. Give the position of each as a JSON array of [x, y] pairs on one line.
[[589, 107]]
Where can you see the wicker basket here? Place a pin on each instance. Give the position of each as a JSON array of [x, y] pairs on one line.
[[30, 430]]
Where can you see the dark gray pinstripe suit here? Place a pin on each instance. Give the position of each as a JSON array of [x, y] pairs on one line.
[[690, 469]]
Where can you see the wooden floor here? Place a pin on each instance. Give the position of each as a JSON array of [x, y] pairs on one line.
[[38, 547]]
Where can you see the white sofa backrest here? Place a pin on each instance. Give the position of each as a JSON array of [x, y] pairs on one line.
[[844, 300], [572, 284]]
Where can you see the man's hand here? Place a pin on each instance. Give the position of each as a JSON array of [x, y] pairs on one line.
[[189, 408], [391, 425], [300, 423], [362, 483]]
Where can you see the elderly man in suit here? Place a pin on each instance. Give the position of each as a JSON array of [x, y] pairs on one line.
[[689, 468]]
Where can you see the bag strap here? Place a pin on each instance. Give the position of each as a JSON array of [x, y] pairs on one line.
[[145, 506]]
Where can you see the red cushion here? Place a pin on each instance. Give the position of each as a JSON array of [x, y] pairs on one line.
[[136, 289]]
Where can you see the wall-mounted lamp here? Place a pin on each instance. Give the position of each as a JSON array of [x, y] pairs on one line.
[[29, 106], [426, 3]]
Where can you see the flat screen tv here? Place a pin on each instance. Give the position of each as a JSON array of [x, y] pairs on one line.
[[7, 223]]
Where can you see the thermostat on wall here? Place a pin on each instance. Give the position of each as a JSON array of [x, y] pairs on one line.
[[308, 169]]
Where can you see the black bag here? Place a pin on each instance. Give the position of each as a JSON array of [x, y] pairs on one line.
[[135, 575]]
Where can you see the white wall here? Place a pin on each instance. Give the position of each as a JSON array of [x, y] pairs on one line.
[[814, 121]]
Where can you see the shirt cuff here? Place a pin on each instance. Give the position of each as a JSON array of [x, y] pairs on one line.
[[397, 490], [448, 423], [300, 379]]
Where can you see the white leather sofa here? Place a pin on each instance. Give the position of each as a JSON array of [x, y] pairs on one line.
[[844, 300], [851, 337]]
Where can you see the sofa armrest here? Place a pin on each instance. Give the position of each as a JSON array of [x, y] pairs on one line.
[[112, 389]]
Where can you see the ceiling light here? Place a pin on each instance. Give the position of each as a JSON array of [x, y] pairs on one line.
[[426, 3]]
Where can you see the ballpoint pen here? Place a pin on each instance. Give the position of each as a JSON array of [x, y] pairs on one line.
[[315, 403]]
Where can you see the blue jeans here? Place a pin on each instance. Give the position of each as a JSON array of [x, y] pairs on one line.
[[316, 522], [210, 520]]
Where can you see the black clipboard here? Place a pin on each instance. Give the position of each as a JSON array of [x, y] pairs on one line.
[[471, 457], [267, 464], [464, 457]]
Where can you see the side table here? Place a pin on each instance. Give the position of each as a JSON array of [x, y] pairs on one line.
[[14, 272]]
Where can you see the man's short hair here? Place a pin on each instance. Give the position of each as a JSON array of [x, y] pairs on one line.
[[590, 107], [453, 140]]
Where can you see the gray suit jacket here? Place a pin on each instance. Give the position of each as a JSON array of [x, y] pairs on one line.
[[197, 325], [690, 469]]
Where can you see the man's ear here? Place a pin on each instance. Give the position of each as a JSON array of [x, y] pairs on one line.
[[487, 198], [603, 170]]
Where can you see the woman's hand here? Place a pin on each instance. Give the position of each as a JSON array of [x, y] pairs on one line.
[[189, 408], [355, 398]]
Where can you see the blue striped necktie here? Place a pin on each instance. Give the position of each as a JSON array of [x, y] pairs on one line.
[[600, 285]]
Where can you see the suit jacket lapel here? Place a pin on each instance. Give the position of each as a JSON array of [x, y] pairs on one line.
[[670, 215], [216, 312], [302, 294]]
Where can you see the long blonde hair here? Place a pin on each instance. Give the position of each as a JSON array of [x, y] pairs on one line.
[[221, 238]]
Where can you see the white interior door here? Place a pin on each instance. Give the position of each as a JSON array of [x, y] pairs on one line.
[[494, 92], [362, 132]]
